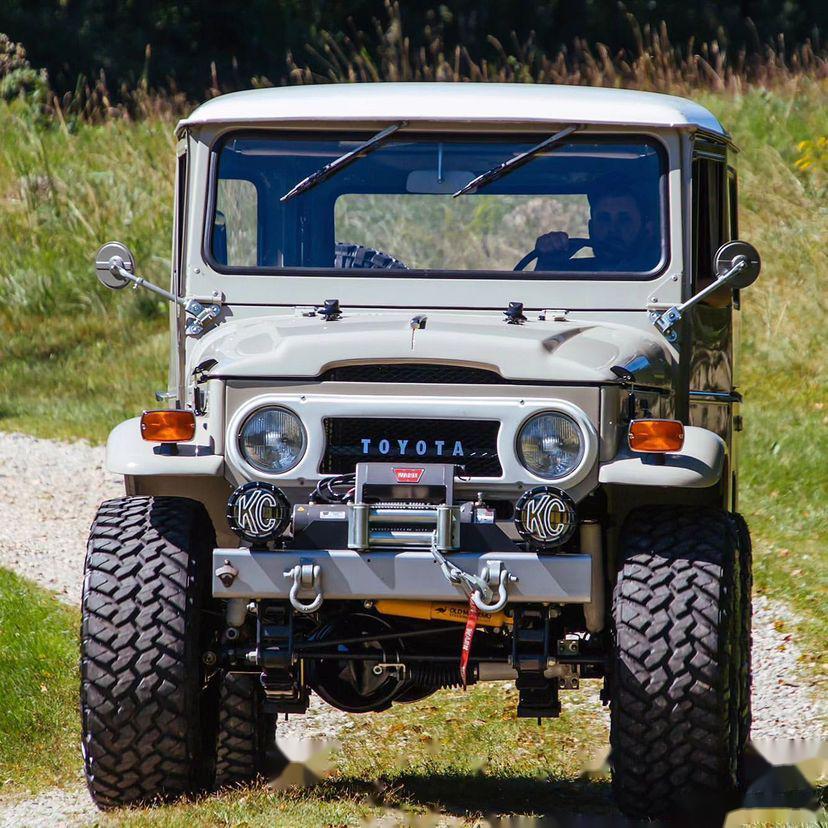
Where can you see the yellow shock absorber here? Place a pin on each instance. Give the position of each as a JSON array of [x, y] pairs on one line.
[[439, 611]]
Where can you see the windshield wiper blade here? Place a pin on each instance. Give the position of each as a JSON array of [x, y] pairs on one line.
[[516, 161], [374, 142]]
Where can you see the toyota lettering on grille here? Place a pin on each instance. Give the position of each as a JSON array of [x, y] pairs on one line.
[[411, 448]]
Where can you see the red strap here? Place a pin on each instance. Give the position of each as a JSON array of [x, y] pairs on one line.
[[468, 635]]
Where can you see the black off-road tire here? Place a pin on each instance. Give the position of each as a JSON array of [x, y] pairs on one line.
[[364, 258], [675, 730], [246, 747], [149, 726]]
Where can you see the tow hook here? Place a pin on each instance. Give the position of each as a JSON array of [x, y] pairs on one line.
[[496, 576], [305, 577], [227, 573]]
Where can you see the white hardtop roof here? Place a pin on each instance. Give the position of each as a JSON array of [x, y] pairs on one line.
[[483, 103]]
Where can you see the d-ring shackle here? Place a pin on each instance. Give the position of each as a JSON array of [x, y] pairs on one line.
[[502, 595], [305, 577]]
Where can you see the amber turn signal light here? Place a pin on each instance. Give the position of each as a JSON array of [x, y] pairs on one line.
[[656, 435], [168, 426]]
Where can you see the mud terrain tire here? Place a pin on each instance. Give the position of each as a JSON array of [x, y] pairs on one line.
[[364, 258], [675, 707], [149, 727], [246, 747]]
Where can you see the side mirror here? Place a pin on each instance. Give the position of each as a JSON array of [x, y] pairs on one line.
[[737, 266], [115, 269], [728, 256], [114, 253]]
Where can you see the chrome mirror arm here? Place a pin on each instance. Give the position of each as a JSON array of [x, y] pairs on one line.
[[666, 322], [737, 264], [202, 315]]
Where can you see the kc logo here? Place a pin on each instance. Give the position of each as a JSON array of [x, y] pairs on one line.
[[545, 516], [258, 511]]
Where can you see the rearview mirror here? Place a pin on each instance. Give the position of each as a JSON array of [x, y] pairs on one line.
[[729, 255], [103, 264]]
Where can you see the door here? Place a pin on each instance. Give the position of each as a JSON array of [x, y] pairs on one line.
[[713, 400]]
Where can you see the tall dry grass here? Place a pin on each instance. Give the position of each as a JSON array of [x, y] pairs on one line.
[[388, 52]]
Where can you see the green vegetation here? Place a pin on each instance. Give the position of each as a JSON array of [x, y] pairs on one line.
[[39, 727], [784, 367], [74, 358]]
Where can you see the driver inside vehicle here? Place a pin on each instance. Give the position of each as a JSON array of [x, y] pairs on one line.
[[621, 235]]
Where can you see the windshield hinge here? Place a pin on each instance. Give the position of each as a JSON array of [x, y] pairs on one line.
[[553, 315], [201, 316]]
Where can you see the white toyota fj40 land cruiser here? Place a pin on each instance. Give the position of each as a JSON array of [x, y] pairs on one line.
[[452, 399]]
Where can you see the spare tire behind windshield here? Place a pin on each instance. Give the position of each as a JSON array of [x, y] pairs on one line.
[[358, 256]]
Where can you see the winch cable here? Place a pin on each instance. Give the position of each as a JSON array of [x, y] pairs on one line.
[[454, 575]]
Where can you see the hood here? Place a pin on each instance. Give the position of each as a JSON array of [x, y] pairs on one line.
[[559, 351]]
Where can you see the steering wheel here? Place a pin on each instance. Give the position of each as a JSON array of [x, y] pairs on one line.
[[571, 249]]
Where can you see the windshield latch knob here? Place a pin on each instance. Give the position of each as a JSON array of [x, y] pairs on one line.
[[330, 310], [514, 314]]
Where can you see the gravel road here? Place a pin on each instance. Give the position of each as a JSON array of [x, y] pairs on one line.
[[48, 495]]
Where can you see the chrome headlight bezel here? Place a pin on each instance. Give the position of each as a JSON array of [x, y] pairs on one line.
[[586, 449], [262, 469]]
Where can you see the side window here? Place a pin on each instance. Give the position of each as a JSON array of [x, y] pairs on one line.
[[178, 234], [733, 203], [236, 226], [710, 217]]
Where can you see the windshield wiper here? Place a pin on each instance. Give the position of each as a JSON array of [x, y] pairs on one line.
[[323, 174], [516, 161]]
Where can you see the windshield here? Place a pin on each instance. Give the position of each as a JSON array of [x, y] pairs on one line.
[[586, 205]]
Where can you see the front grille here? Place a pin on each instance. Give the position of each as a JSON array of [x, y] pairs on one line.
[[439, 374], [471, 444]]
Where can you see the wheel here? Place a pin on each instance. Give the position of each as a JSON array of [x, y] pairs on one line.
[[360, 257], [246, 745], [148, 724], [675, 731]]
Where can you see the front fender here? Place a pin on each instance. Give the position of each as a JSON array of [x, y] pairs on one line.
[[129, 454], [698, 465]]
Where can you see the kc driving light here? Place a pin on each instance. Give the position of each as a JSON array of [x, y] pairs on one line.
[[272, 440], [550, 445]]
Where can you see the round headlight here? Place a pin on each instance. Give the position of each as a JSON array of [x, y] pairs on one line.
[[272, 440], [550, 445]]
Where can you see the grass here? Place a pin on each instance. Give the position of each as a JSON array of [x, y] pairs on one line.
[[77, 376], [39, 727], [784, 366]]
